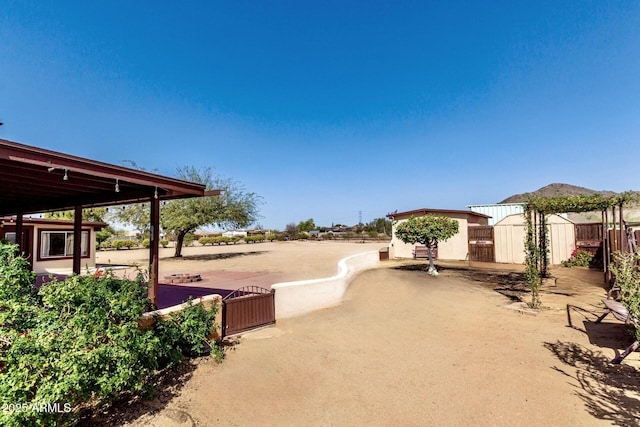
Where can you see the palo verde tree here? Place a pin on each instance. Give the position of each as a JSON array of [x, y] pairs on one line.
[[88, 214], [536, 211], [427, 230], [136, 215], [234, 207]]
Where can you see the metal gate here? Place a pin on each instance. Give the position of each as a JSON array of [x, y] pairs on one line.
[[481, 246], [247, 308]]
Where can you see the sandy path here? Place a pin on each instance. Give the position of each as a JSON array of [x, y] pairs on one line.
[[296, 260], [407, 349]]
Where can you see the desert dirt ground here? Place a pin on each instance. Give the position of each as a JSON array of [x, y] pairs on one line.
[[405, 348]]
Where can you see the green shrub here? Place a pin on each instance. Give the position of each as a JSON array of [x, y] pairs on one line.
[[146, 243], [302, 236], [105, 245], [227, 240], [77, 343], [204, 241], [626, 270], [254, 239], [119, 244], [189, 238]]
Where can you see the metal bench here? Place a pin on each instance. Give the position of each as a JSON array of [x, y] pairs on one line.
[[621, 313], [421, 252]]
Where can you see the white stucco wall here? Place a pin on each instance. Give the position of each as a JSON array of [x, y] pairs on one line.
[[300, 297]]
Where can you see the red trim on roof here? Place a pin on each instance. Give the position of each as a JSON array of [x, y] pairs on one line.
[[425, 211]]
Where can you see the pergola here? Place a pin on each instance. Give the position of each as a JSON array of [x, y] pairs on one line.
[[35, 180]]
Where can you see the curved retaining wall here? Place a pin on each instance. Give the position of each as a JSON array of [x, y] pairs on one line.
[[296, 298]]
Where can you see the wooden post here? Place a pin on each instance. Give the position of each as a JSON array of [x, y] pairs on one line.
[[622, 230], [19, 231], [614, 246], [154, 243], [77, 239], [605, 245]]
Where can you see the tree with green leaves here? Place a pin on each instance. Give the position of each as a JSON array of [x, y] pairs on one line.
[[427, 230], [380, 226], [137, 215], [88, 214], [307, 225], [234, 207]]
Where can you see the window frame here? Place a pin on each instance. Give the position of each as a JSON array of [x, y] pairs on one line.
[[67, 254]]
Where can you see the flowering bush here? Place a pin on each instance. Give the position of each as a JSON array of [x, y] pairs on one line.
[[579, 258]]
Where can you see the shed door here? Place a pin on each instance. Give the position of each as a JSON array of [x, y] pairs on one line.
[[481, 247]]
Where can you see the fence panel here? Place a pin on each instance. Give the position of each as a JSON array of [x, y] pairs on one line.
[[248, 311]]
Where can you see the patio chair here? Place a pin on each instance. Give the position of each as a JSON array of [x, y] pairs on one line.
[[621, 313]]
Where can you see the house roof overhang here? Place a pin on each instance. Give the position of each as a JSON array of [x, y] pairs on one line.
[[427, 211], [34, 180], [43, 222]]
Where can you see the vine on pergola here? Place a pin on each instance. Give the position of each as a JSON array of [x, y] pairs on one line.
[[536, 210]]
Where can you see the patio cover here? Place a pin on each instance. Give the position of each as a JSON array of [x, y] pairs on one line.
[[35, 180]]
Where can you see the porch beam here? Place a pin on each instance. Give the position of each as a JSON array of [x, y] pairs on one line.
[[154, 242], [77, 239], [19, 231]]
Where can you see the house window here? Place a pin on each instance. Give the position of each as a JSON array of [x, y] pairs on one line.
[[59, 244], [11, 237]]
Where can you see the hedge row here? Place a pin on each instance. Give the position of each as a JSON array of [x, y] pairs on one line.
[[258, 238], [217, 240]]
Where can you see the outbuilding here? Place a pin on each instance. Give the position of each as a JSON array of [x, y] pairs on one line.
[[455, 248], [510, 233]]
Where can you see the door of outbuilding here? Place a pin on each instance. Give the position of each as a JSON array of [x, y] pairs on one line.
[[481, 246]]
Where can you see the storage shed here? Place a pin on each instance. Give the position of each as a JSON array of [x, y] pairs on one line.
[[510, 233], [455, 248]]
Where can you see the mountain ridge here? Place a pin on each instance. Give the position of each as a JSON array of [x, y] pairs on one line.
[[556, 190]]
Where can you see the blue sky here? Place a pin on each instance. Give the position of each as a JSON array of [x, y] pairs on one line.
[[329, 108]]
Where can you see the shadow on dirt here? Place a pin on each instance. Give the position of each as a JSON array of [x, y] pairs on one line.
[[609, 392], [215, 257], [168, 385], [508, 283]]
